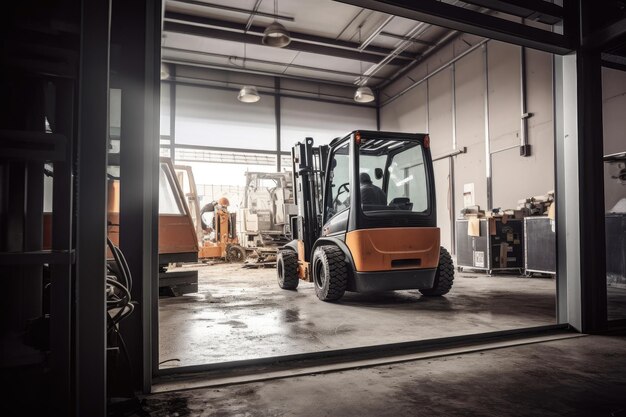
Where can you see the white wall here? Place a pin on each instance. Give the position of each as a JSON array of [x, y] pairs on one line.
[[322, 121], [428, 108], [513, 177]]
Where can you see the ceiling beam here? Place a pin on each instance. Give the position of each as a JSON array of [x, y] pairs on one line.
[[538, 10], [218, 29], [285, 65], [469, 21], [254, 12], [606, 36], [206, 65], [407, 38]]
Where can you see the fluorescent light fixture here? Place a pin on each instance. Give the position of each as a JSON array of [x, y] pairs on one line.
[[248, 94], [276, 35], [364, 94]]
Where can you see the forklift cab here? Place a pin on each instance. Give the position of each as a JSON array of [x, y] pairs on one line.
[[388, 182]]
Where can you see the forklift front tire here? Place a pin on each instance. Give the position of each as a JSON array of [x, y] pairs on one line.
[[287, 269], [330, 273], [444, 276], [235, 254]]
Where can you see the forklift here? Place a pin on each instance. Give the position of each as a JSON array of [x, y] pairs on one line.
[[366, 217]]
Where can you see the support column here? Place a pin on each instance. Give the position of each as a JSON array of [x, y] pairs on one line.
[[591, 192], [137, 32], [277, 112], [93, 128]]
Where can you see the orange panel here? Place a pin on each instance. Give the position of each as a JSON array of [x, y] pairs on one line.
[[177, 234], [211, 251], [376, 249]]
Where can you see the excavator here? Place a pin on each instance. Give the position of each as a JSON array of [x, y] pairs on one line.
[[366, 217]]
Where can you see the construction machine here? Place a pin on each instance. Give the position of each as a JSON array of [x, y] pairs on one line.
[[267, 209], [215, 226], [366, 217], [219, 227]]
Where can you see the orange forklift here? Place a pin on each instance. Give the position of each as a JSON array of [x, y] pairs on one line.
[[366, 218]]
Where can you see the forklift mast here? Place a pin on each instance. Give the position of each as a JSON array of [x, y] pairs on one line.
[[309, 164]]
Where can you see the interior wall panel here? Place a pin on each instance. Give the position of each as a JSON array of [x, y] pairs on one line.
[[504, 94], [440, 112], [517, 177], [469, 167], [408, 113], [322, 121]]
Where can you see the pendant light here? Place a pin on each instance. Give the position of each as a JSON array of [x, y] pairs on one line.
[[363, 94], [276, 35], [248, 93]]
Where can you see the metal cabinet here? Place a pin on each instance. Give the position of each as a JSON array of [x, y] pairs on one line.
[[539, 245], [500, 246]]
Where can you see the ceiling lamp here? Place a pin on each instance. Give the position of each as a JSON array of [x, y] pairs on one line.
[[364, 94], [248, 94], [276, 35]]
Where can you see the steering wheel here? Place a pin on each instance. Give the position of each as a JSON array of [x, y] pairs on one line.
[[343, 188]]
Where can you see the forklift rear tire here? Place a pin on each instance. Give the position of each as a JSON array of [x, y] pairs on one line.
[[444, 276], [330, 273], [287, 269]]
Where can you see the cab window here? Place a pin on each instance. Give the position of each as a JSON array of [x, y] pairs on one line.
[[339, 182]]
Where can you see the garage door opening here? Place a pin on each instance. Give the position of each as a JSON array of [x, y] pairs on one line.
[[486, 105]]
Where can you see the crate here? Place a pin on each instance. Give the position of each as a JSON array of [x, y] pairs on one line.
[[483, 253], [539, 245]]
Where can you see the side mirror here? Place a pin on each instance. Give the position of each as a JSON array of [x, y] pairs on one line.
[[378, 173]]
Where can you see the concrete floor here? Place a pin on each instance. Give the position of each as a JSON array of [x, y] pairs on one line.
[[584, 376], [242, 314]]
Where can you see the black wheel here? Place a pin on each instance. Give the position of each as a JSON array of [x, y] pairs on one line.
[[330, 273], [287, 269], [235, 254], [444, 276]]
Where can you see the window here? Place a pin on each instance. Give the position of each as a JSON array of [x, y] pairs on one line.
[[339, 193], [169, 203], [392, 176], [407, 178]]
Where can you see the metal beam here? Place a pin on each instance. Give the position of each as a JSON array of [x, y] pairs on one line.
[[300, 95], [591, 193], [91, 227], [605, 36], [287, 65], [251, 71], [254, 12], [235, 32], [407, 39], [537, 10], [137, 33], [476, 23], [375, 33]]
